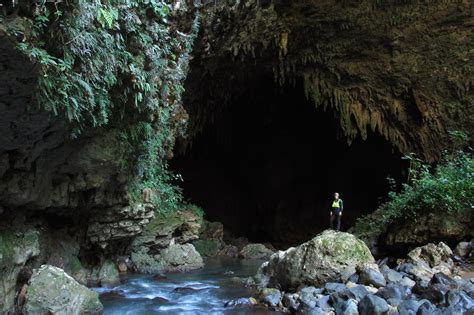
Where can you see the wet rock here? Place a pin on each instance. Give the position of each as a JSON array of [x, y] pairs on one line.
[[370, 276], [373, 305], [463, 249], [174, 258], [408, 307], [184, 290], [255, 251], [323, 259], [160, 300], [160, 277], [270, 296], [241, 302], [52, 291], [112, 295]]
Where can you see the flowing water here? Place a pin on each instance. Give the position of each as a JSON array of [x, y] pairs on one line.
[[203, 291]]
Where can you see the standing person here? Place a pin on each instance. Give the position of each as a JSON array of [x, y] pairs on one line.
[[336, 211]]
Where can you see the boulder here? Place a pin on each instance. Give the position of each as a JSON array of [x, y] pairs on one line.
[[52, 291], [108, 274], [373, 305], [463, 249], [425, 261], [328, 257], [231, 251], [270, 296], [164, 230], [207, 248], [255, 251], [177, 257], [371, 276]]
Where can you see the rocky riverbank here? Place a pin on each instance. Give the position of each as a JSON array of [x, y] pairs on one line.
[[335, 273]]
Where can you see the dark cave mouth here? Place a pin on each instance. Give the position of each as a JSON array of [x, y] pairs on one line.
[[267, 168]]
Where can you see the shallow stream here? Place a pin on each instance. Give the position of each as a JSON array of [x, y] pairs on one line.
[[203, 291]]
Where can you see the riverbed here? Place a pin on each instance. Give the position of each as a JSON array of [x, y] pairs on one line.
[[203, 291]]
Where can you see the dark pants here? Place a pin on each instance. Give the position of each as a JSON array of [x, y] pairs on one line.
[[336, 215]]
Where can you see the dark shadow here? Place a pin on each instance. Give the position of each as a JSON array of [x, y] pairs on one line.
[[268, 168]]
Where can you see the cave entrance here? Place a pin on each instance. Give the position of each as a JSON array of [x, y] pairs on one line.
[[268, 166]]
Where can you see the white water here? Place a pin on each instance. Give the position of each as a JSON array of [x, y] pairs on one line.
[[210, 288]]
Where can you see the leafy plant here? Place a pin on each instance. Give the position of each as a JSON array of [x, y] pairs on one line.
[[116, 64], [447, 190]]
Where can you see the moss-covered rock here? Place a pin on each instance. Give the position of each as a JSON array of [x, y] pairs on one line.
[[17, 247], [207, 248], [52, 291], [330, 256], [255, 251], [176, 257]]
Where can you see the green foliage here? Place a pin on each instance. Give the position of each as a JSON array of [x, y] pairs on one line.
[[449, 190], [116, 64]]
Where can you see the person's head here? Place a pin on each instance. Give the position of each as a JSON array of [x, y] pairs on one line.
[[336, 195]]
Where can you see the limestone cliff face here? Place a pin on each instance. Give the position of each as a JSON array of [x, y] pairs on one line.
[[89, 101], [402, 69]]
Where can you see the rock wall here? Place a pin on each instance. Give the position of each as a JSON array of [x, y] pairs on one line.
[[71, 192]]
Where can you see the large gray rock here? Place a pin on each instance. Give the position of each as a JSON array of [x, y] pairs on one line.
[[425, 261], [463, 249], [52, 291], [255, 251], [328, 257], [177, 257], [371, 276], [373, 305]]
